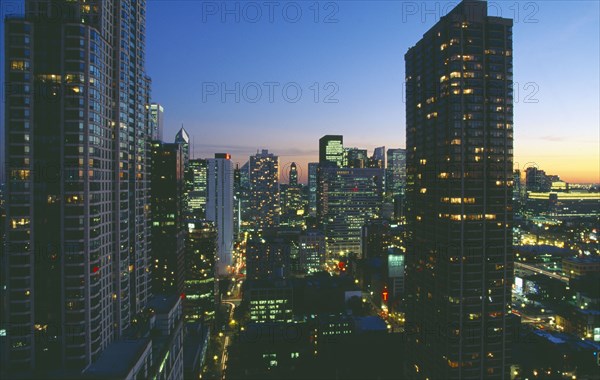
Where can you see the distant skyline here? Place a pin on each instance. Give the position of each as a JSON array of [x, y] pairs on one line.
[[555, 48], [355, 51]]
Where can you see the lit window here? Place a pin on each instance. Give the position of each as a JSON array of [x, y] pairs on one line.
[[19, 65]]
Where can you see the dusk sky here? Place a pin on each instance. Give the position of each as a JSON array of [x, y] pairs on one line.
[[191, 49], [355, 53]]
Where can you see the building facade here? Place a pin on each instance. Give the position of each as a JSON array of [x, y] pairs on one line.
[[348, 198], [459, 140], [331, 151], [264, 190], [77, 160], [219, 207], [199, 301], [313, 168], [168, 229], [396, 171], [157, 121], [197, 184]]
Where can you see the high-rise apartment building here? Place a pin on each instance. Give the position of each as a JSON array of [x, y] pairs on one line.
[[77, 158], [219, 207], [331, 150], [459, 142], [264, 190]]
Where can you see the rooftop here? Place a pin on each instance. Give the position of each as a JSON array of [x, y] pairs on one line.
[[118, 359]]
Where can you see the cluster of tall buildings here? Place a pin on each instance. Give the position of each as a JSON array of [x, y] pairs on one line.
[[351, 188], [114, 237]]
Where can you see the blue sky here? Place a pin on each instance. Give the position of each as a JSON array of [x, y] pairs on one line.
[[352, 51], [196, 50]]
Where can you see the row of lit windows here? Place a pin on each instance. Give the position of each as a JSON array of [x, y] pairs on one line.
[[459, 217], [458, 200]]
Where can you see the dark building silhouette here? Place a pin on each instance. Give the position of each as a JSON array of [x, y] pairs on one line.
[[356, 158], [536, 180], [459, 142], [268, 257], [168, 230]]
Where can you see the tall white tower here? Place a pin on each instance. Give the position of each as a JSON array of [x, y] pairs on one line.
[[219, 207]]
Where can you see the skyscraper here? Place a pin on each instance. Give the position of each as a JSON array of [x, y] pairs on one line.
[[168, 229], [264, 190], [243, 196], [238, 194], [292, 204], [536, 180], [348, 198], [395, 180], [312, 187], [331, 150], [183, 138], [197, 183], [459, 141], [378, 159], [396, 171], [219, 207], [77, 157], [200, 263], [293, 175], [355, 158], [157, 121]]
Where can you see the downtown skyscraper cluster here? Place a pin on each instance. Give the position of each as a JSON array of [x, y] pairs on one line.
[[110, 229]]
